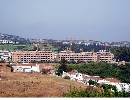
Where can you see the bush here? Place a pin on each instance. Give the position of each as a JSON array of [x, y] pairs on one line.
[[67, 77], [2, 61], [8, 65], [12, 69], [62, 67], [92, 82], [92, 92], [45, 71]]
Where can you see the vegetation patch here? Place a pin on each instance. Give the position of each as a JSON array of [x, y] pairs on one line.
[[104, 70]]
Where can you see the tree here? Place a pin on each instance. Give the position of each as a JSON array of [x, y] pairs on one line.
[[45, 71], [72, 61], [12, 69], [95, 92], [121, 53], [62, 67], [59, 72], [92, 82], [106, 87], [67, 77], [103, 70]]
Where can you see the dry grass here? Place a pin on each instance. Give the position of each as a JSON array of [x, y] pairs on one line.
[[33, 85]]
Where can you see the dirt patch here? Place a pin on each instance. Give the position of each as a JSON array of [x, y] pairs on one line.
[[34, 85]]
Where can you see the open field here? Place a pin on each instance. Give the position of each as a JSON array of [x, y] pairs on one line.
[[12, 47], [33, 85]]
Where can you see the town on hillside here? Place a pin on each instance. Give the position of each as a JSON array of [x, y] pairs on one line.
[[91, 68], [65, 48]]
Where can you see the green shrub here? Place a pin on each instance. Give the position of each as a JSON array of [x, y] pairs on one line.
[[67, 77], [103, 70], [91, 92]]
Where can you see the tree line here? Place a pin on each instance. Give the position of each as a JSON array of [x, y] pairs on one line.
[[101, 69], [104, 90]]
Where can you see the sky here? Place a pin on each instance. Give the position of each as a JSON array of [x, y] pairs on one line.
[[103, 20]]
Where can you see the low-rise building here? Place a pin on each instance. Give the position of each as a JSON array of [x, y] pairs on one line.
[[83, 78], [5, 55], [86, 56], [44, 56], [6, 42], [74, 76], [32, 56], [25, 68]]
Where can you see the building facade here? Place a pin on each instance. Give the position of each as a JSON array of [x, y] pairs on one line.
[[105, 56], [86, 56], [25, 68], [5, 55], [32, 56], [45, 56]]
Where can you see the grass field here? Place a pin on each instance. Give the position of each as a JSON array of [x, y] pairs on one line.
[[12, 47], [33, 85]]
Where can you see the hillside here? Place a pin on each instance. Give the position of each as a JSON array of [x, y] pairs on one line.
[[33, 85], [13, 38]]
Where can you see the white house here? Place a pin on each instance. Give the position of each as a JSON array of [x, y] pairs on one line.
[[74, 76], [119, 86], [125, 87], [26, 68], [5, 55], [103, 82], [6, 41], [85, 79], [77, 76]]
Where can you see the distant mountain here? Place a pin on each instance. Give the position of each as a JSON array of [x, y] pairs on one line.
[[13, 38]]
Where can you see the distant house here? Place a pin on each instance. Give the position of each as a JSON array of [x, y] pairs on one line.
[[5, 55], [6, 42], [125, 86], [83, 78], [24, 68], [74, 75], [119, 86]]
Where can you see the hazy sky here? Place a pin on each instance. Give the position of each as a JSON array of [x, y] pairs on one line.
[[105, 20]]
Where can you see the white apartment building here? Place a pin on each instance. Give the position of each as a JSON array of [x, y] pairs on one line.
[[6, 42], [5, 55], [26, 68], [83, 78]]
